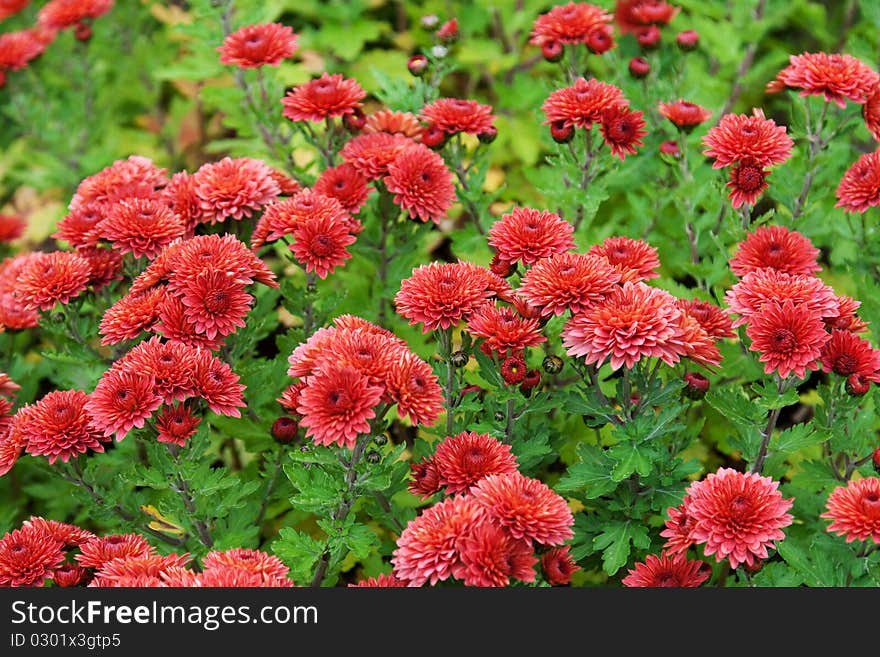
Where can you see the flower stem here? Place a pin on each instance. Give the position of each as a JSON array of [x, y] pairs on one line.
[[188, 499], [273, 480], [816, 144], [781, 386]]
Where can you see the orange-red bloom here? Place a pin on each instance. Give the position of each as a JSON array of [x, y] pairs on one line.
[[568, 281], [176, 424], [713, 319], [683, 113], [381, 581], [634, 260], [11, 227], [59, 426], [28, 557], [634, 321], [667, 570], [99, 550], [61, 14], [131, 315], [327, 96], [581, 104], [855, 510], [133, 177], [763, 285], [122, 400], [846, 354], [346, 184], [737, 515], [525, 507], [264, 44], [558, 566], [372, 153], [233, 188], [788, 337], [414, 387], [739, 137], [215, 304], [421, 183], [859, 189], [748, 180], [622, 130], [464, 459], [49, 278], [140, 226], [871, 112], [490, 556], [776, 247], [454, 115], [631, 15], [527, 235], [504, 330], [570, 23], [19, 48], [11, 7], [836, 77], [392, 122]]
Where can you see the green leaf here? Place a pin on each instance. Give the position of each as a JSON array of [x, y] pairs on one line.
[[488, 369], [615, 541], [591, 476], [299, 551], [630, 458]]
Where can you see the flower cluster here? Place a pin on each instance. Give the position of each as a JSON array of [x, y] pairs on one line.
[[793, 319], [854, 510], [47, 551], [487, 533], [346, 371]]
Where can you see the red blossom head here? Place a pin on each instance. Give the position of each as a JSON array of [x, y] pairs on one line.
[[98, 551], [264, 44], [504, 331], [739, 137], [12, 227], [847, 354], [464, 459], [631, 15], [684, 114], [454, 115], [28, 556], [581, 104], [380, 581], [393, 122], [346, 184], [836, 77], [859, 189], [568, 281], [176, 424], [233, 188], [569, 24], [788, 337], [635, 260], [425, 478], [490, 556], [421, 183], [776, 247], [667, 570], [372, 153], [46, 279], [558, 566], [325, 97], [61, 14], [748, 180], [413, 386], [855, 510], [122, 400], [58, 426], [141, 226], [622, 130], [17, 49]]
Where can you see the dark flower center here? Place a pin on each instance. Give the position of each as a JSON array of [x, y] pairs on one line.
[[845, 364], [783, 339], [338, 399], [739, 505], [217, 301], [620, 130], [667, 580], [322, 246], [474, 458], [749, 178]]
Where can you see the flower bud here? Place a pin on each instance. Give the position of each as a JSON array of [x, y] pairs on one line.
[[433, 137], [553, 364], [600, 41], [687, 40], [513, 370], [648, 37], [355, 121], [459, 358], [380, 439], [875, 460], [552, 51], [857, 385], [488, 135], [284, 430], [696, 385], [373, 456], [417, 65], [531, 379], [502, 268], [82, 32], [639, 67], [448, 32], [561, 132], [670, 147]]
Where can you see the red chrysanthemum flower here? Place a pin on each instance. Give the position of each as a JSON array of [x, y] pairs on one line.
[[141, 226], [182, 261], [464, 459], [264, 44], [737, 515], [392, 122], [81, 226], [13, 440], [122, 400], [492, 557], [320, 244], [217, 384], [683, 113], [428, 549], [233, 188], [176, 424], [69, 575], [421, 183], [527, 235], [140, 571], [383, 581], [59, 426], [425, 478], [776, 247], [622, 129], [581, 104], [327, 96], [19, 48], [748, 180], [558, 566], [635, 260], [525, 507], [308, 206], [503, 330], [50, 278], [715, 322], [846, 354], [106, 265], [570, 23], [98, 551], [413, 386], [371, 154], [568, 281], [370, 353], [61, 14], [763, 285], [847, 319], [28, 556], [634, 321], [631, 15], [174, 325], [255, 561], [236, 577], [454, 115], [13, 312], [871, 112], [696, 343], [789, 337], [346, 184], [667, 570], [305, 357], [740, 137], [11, 7], [337, 404], [440, 295], [836, 77], [859, 189], [678, 529], [855, 510], [215, 303], [180, 195], [132, 314], [11, 227], [8, 387], [134, 177], [66, 534]]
